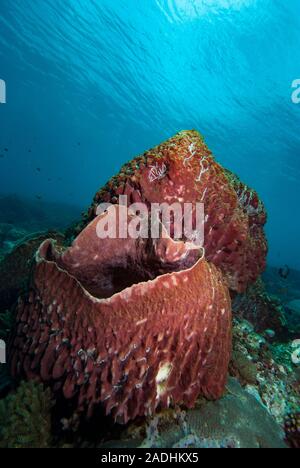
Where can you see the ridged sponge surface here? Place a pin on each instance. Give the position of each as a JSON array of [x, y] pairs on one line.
[[163, 341]]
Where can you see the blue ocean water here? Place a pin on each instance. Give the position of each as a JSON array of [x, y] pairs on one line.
[[91, 83]]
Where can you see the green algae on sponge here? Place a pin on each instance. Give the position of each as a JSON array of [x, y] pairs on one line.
[[25, 417]]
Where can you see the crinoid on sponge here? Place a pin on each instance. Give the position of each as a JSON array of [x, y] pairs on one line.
[[25, 417], [183, 169], [155, 343]]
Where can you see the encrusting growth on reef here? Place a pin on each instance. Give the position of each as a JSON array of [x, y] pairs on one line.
[[25, 417]]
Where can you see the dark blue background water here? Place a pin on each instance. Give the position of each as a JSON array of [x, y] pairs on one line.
[[90, 83]]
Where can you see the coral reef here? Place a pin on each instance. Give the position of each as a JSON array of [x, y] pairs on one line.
[[16, 266], [138, 350], [276, 382], [237, 420], [138, 325], [292, 430], [8, 237], [287, 289], [265, 312], [183, 169], [293, 316], [242, 368], [239, 417], [25, 417]]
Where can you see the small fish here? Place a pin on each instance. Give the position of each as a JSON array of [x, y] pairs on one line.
[[284, 272], [38, 169], [6, 150], [38, 197], [1, 156]]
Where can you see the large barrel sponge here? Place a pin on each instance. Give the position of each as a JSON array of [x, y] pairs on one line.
[[137, 325], [155, 343]]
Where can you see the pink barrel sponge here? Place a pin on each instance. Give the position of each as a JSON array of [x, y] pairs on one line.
[[154, 343], [138, 324]]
